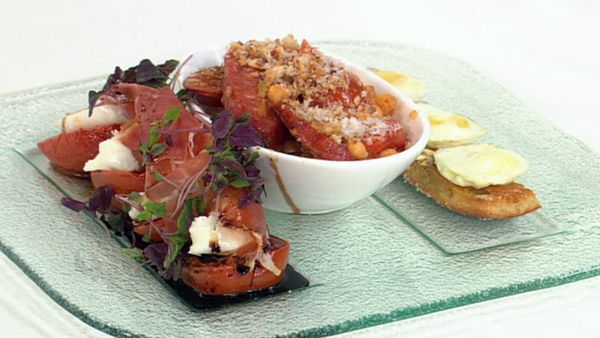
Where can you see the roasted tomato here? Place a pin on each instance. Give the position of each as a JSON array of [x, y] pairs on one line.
[[221, 276], [394, 139], [207, 84], [68, 152], [241, 96], [124, 182], [316, 143]]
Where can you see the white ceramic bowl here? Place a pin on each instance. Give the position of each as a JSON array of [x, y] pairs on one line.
[[313, 186]]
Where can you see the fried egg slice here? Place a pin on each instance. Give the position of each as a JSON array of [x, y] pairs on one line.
[[406, 84], [479, 165], [449, 129]]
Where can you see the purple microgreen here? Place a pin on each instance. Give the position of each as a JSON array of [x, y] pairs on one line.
[[129, 76], [156, 253], [221, 125], [73, 204], [232, 162], [93, 97], [249, 198], [245, 136], [169, 66], [252, 171], [219, 145], [234, 167], [145, 73], [101, 200]]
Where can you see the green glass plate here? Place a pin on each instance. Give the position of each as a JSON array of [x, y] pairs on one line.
[[374, 262]]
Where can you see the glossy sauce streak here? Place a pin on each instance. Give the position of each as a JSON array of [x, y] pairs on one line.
[[282, 188]]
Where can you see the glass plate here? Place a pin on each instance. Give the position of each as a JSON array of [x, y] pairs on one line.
[[368, 264]]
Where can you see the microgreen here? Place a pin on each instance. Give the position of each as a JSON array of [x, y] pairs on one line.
[[233, 158], [153, 148], [145, 73], [192, 207], [99, 205], [135, 253], [151, 210]]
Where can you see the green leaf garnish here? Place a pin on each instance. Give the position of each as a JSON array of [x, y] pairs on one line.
[[240, 183], [181, 237], [147, 237], [157, 149], [171, 116], [134, 196], [135, 253], [153, 147], [151, 210]]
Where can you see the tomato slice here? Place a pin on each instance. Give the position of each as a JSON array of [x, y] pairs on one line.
[[320, 145], [68, 152], [207, 84], [124, 182], [221, 277]]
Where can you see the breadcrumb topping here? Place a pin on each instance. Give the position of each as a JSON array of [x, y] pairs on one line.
[[318, 88]]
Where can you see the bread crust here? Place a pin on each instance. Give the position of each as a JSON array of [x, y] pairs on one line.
[[496, 201]]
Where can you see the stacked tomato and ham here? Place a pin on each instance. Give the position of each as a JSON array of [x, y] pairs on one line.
[[256, 261], [302, 101]]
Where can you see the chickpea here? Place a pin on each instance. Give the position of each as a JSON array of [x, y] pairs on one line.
[[358, 150], [388, 152], [277, 93], [386, 102]]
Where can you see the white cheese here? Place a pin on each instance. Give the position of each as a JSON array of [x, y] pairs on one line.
[[102, 115], [479, 165], [200, 232], [112, 155], [207, 232]]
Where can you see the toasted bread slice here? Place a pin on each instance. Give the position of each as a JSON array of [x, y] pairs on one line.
[[496, 201]]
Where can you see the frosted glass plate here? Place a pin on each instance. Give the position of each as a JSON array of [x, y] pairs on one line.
[[367, 265]]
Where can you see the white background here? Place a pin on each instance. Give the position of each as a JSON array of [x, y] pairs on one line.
[[547, 53]]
